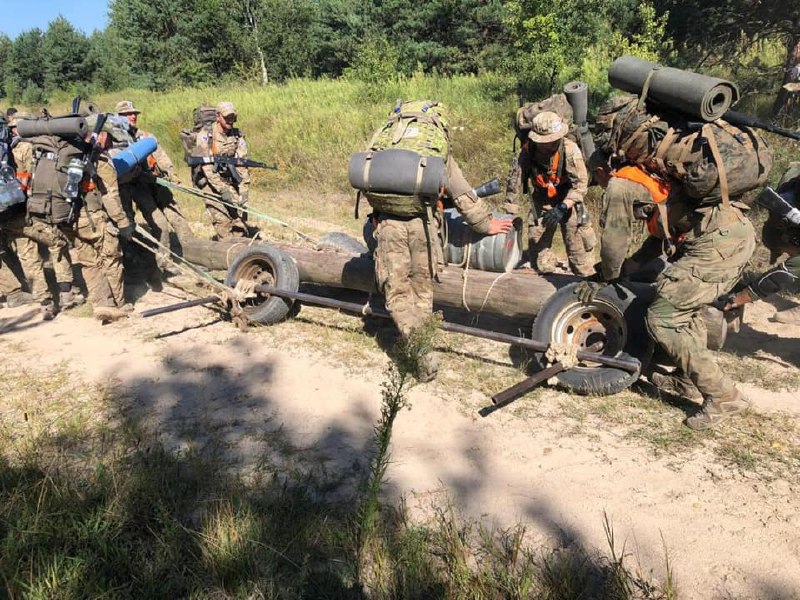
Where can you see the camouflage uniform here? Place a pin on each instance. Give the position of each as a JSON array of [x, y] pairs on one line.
[[138, 188], [28, 232], [710, 262], [226, 220], [94, 237], [716, 241], [533, 172], [406, 253], [27, 249]]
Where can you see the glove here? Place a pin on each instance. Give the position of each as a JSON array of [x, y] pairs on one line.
[[732, 301], [554, 216], [587, 290], [126, 233], [243, 198], [227, 196]]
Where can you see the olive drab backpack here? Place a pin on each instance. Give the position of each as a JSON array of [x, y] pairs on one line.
[[404, 166], [556, 103], [203, 117], [51, 158], [712, 161]]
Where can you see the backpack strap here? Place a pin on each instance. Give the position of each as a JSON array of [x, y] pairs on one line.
[[646, 88], [708, 134]]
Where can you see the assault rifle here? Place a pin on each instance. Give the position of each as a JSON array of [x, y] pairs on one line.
[[228, 163], [743, 120]]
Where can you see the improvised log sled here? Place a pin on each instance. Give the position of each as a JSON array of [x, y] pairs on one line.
[[599, 348]]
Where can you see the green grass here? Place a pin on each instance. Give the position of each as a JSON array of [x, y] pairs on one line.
[[93, 505]]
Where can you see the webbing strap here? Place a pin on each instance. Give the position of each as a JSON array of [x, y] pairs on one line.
[[423, 162], [663, 214], [708, 133], [646, 88]]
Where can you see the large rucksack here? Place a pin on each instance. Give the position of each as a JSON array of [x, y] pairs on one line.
[[711, 161], [51, 158], [556, 103], [203, 117], [405, 163]]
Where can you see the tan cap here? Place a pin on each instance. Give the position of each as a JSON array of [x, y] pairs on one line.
[[226, 108], [547, 127], [126, 107]]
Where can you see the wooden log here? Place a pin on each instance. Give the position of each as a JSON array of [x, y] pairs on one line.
[[516, 295]]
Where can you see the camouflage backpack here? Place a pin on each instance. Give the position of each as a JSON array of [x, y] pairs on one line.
[[712, 161], [203, 117], [404, 165], [51, 158], [557, 103]]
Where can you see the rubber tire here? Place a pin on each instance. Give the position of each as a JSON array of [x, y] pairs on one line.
[[598, 380], [341, 241], [286, 277]]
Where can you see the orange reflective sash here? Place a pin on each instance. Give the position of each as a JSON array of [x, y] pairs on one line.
[[551, 180], [87, 185], [24, 179], [658, 190]]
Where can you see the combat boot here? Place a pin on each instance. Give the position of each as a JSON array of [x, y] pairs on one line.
[[109, 314], [428, 367], [676, 385], [18, 298], [790, 316], [48, 310], [70, 299], [715, 412]]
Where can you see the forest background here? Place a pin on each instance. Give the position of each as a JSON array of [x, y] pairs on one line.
[[163, 44]]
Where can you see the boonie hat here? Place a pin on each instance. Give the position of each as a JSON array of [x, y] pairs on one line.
[[226, 108], [126, 107], [547, 127]]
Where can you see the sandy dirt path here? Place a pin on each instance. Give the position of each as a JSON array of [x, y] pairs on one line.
[[284, 392]]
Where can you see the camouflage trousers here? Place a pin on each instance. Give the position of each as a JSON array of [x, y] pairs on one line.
[[712, 260], [227, 221], [8, 281], [97, 249], [141, 195], [165, 200], [27, 236], [403, 269], [579, 241]]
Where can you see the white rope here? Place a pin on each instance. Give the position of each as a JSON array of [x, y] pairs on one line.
[[465, 276]]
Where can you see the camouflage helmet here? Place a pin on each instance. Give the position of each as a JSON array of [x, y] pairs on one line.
[[547, 127]]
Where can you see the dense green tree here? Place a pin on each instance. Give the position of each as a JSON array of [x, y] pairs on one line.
[[23, 66], [64, 53], [5, 51], [731, 33]]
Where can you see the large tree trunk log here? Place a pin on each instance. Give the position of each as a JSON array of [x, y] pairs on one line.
[[518, 295]]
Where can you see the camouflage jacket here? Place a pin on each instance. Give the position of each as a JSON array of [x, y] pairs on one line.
[[573, 184], [217, 142]]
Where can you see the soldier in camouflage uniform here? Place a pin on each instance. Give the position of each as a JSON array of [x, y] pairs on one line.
[[95, 235], [552, 169], [138, 187], [29, 232], [225, 140], [715, 241], [782, 236], [408, 257]]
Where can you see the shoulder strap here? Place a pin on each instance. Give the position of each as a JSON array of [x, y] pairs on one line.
[[708, 134]]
